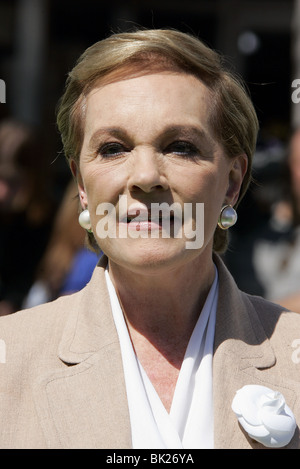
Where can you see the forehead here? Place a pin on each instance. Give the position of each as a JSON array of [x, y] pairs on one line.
[[171, 96]]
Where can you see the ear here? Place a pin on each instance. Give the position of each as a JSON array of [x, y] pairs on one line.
[[239, 165], [80, 184]]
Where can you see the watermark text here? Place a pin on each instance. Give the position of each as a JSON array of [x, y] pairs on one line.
[[2, 91], [296, 352], [159, 220]]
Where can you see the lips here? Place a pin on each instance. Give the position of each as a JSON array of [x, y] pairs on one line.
[[141, 213], [147, 217], [136, 212]]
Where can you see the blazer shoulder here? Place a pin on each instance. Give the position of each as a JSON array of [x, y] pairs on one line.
[[267, 307], [275, 318], [38, 323]]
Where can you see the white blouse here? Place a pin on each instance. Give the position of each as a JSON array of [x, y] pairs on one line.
[[189, 425]]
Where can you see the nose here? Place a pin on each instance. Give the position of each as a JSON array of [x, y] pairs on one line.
[[147, 173]]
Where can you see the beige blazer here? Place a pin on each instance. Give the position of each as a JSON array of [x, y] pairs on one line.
[[61, 376]]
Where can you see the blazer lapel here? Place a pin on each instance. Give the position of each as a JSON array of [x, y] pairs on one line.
[[84, 404], [242, 355]]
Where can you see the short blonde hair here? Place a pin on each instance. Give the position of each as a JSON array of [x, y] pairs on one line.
[[233, 118]]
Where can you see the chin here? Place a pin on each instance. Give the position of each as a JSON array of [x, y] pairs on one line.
[[151, 256]]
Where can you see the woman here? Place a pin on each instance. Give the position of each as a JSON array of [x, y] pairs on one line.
[[151, 353]]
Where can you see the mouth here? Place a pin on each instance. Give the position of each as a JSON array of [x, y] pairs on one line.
[[148, 217], [140, 217]]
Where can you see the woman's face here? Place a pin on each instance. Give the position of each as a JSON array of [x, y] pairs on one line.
[[147, 141]]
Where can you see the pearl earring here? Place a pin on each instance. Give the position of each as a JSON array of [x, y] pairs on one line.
[[85, 220], [227, 218]]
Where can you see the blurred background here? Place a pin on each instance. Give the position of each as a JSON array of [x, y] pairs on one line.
[[42, 252]]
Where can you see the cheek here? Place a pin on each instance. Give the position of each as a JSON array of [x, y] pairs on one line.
[[101, 185], [203, 186], [209, 189]]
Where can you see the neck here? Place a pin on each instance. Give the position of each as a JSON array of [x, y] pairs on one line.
[[166, 304]]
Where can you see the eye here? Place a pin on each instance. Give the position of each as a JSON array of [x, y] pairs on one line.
[[111, 150], [182, 148]]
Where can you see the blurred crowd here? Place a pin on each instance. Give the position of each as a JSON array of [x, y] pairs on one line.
[[42, 246], [264, 253]]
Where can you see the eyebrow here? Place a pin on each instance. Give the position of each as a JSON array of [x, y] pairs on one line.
[[188, 131], [116, 132]]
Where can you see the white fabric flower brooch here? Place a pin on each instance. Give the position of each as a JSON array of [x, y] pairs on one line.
[[264, 415]]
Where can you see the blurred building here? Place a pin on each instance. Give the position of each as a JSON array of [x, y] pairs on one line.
[[40, 39]]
